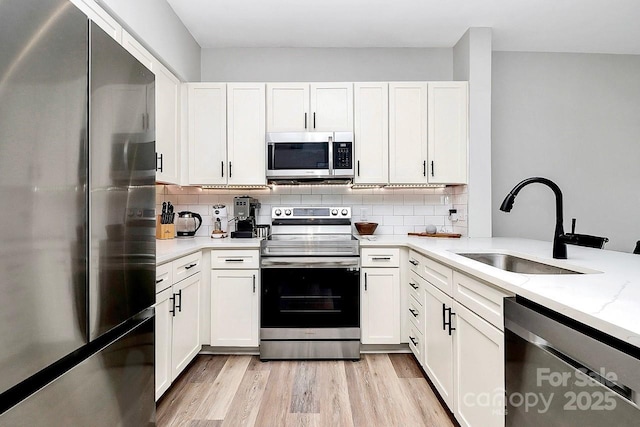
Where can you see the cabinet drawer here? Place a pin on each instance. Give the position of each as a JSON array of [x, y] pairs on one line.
[[380, 257], [187, 266], [235, 259], [416, 286], [164, 276], [437, 274], [416, 314], [416, 343], [481, 298], [416, 261]]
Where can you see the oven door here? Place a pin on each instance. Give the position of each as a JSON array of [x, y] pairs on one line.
[[310, 297], [299, 155]]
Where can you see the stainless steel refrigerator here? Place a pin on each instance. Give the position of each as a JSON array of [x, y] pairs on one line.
[[77, 242]]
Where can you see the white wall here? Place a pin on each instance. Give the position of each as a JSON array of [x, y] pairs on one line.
[[573, 118], [158, 28], [325, 64], [472, 62]]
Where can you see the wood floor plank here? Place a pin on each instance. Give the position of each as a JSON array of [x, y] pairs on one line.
[[366, 406], [421, 397], [304, 396], [257, 365], [220, 393], [303, 420], [333, 392], [405, 366], [276, 399], [246, 403], [180, 411], [388, 388], [207, 368], [205, 423]]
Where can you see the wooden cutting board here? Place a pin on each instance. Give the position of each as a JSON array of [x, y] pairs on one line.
[[449, 235]]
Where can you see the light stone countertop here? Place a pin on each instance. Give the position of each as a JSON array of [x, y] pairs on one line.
[[608, 299]]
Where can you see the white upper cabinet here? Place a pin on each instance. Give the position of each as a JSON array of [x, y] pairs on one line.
[[371, 133], [167, 125], [300, 107], [100, 17], [408, 133], [448, 132], [246, 148], [207, 133], [331, 107], [287, 107]]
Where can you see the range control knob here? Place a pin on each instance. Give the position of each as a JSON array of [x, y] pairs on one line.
[[278, 212], [334, 212], [344, 212], [287, 212]]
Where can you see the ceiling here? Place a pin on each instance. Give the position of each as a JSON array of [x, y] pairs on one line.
[[598, 26]]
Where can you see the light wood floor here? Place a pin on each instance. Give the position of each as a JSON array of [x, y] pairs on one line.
[[379, 390]]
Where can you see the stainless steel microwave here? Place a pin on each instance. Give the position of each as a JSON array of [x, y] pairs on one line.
[[309, 155]]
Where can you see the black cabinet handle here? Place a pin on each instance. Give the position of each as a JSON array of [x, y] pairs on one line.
[[365, 281], [179, 305], [380, 258], [222, 168], [424, 168], [413, 340], [446, 323], [254, 283], [414, 262], [414, 312], [314, 120], [234, 260], [159, 281], [187, 267], [413, 285], [173, 305], [305, 120], [432, 168], [229, 169], [160, 157], [358, 167]]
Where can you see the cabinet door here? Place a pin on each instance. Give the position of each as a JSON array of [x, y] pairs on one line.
[[167, 126], [479, 371], [438, 353], [234, 308], [246, 145], [448, 132], [163, 319], [186, 323], [408, 133], [207, 133], [380, 305], [331, 107], [371, 133], [288, 107]]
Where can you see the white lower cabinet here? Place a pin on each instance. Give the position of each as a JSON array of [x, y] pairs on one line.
[[461, 352], [479, 351], [234, 308], [177, 319], [438, 353], [380, 305]]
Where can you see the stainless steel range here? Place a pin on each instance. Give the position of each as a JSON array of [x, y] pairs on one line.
[[310, 299]]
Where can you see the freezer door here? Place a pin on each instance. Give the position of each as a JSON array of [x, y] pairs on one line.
[[114, 387], [43, 131], [122, 185]]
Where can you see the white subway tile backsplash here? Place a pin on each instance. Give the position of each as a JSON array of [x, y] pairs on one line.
[[397, 211]]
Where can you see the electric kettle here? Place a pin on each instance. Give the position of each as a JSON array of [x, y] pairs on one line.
[[188, 223]]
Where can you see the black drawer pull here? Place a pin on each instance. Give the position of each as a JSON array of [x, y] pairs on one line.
[[413, 285], [414, 312], [381, 258], [234, 260], [190, 266], [413, 340], [159, 281], [414, 262]]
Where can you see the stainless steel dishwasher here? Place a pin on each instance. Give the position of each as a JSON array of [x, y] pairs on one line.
[[560, 372]]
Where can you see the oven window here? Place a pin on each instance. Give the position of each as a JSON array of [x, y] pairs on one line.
[[310, 298], [307, 155]]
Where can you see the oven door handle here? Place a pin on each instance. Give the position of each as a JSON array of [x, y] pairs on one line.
[[309, 262]]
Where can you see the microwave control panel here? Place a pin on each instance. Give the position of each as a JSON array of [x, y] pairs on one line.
[[342, 155]]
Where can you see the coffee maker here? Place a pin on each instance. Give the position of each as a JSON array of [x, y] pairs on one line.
[[244, 210]]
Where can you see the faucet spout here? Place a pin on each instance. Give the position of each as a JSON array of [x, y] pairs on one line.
[[559, 245]]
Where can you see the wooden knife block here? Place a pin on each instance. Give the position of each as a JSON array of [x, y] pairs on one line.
[[164, 231]]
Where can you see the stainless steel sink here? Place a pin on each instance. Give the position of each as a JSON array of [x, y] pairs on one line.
[[516, 264]]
